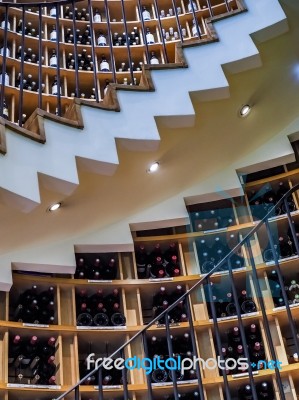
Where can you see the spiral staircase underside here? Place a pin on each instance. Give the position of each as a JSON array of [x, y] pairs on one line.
[[193, 130]]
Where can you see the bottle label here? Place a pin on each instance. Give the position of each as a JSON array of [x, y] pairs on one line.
[[104, 66], [36, 325], [168, 278], [109, 387], [53, 61], [97, 18], [3, 25], [21, 385], [6, 80], [102, 41], [7, 52], [190, 6], [110, 328], [150, 38], [53, 12], [215, 230], [194, 31], [53, 35], [154, 61], [146, 15], [242, 374]]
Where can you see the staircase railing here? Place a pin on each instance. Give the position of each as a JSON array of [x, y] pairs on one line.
[[246, 241]]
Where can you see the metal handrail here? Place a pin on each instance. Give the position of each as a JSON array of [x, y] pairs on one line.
[[205, 278]]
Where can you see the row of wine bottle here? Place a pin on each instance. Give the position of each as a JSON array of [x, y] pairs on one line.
[[235, 348], [99, 310], [33, 359], [34, 307], [162, 300], [213, 219], [226, 307], [291, 288], [98, 269], [213, 251], [158, 263], [284, 244], [261, 201]]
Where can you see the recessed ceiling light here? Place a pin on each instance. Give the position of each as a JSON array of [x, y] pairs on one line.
[[245, 110], [153, 167], [54, 207]]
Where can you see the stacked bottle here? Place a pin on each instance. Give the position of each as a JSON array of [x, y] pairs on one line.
[[99, 310], [32, 360], [36, 307]]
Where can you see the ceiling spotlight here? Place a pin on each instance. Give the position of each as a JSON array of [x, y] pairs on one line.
[[153, 167], [245, 110], [54, 207]]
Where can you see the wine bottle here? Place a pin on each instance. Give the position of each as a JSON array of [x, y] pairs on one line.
[[96, 271], [149, 37], [173, 268], [7, 24], [146, 16], [141, 262], [118, 319], [102, 41], [81, 269], [159, 375], [55, 87], [104, 65], [157, 269], [234, 339], [192, 6], [112, 300], [101, 319], [97, 16], [6, 79], [30, 350], [264, 390], [84, 319], [53, 59], [5, 110], [285, 246], [110, 270], [15, 348], [245, 393], [53, 11], [53, 34]]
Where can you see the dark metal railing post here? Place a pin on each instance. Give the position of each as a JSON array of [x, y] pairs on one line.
[[242, 331], [193, 341], [195, 19], [161, 32], [100, 384], [264, 314], [148, 376], [109, 36], [124, 378], [22, 68], [93, 53], [170, 353], [177, 20], [40, 56], [77, 87], [127, 40], [58, 60], [218, 339], [2, 98], [143, 32]]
